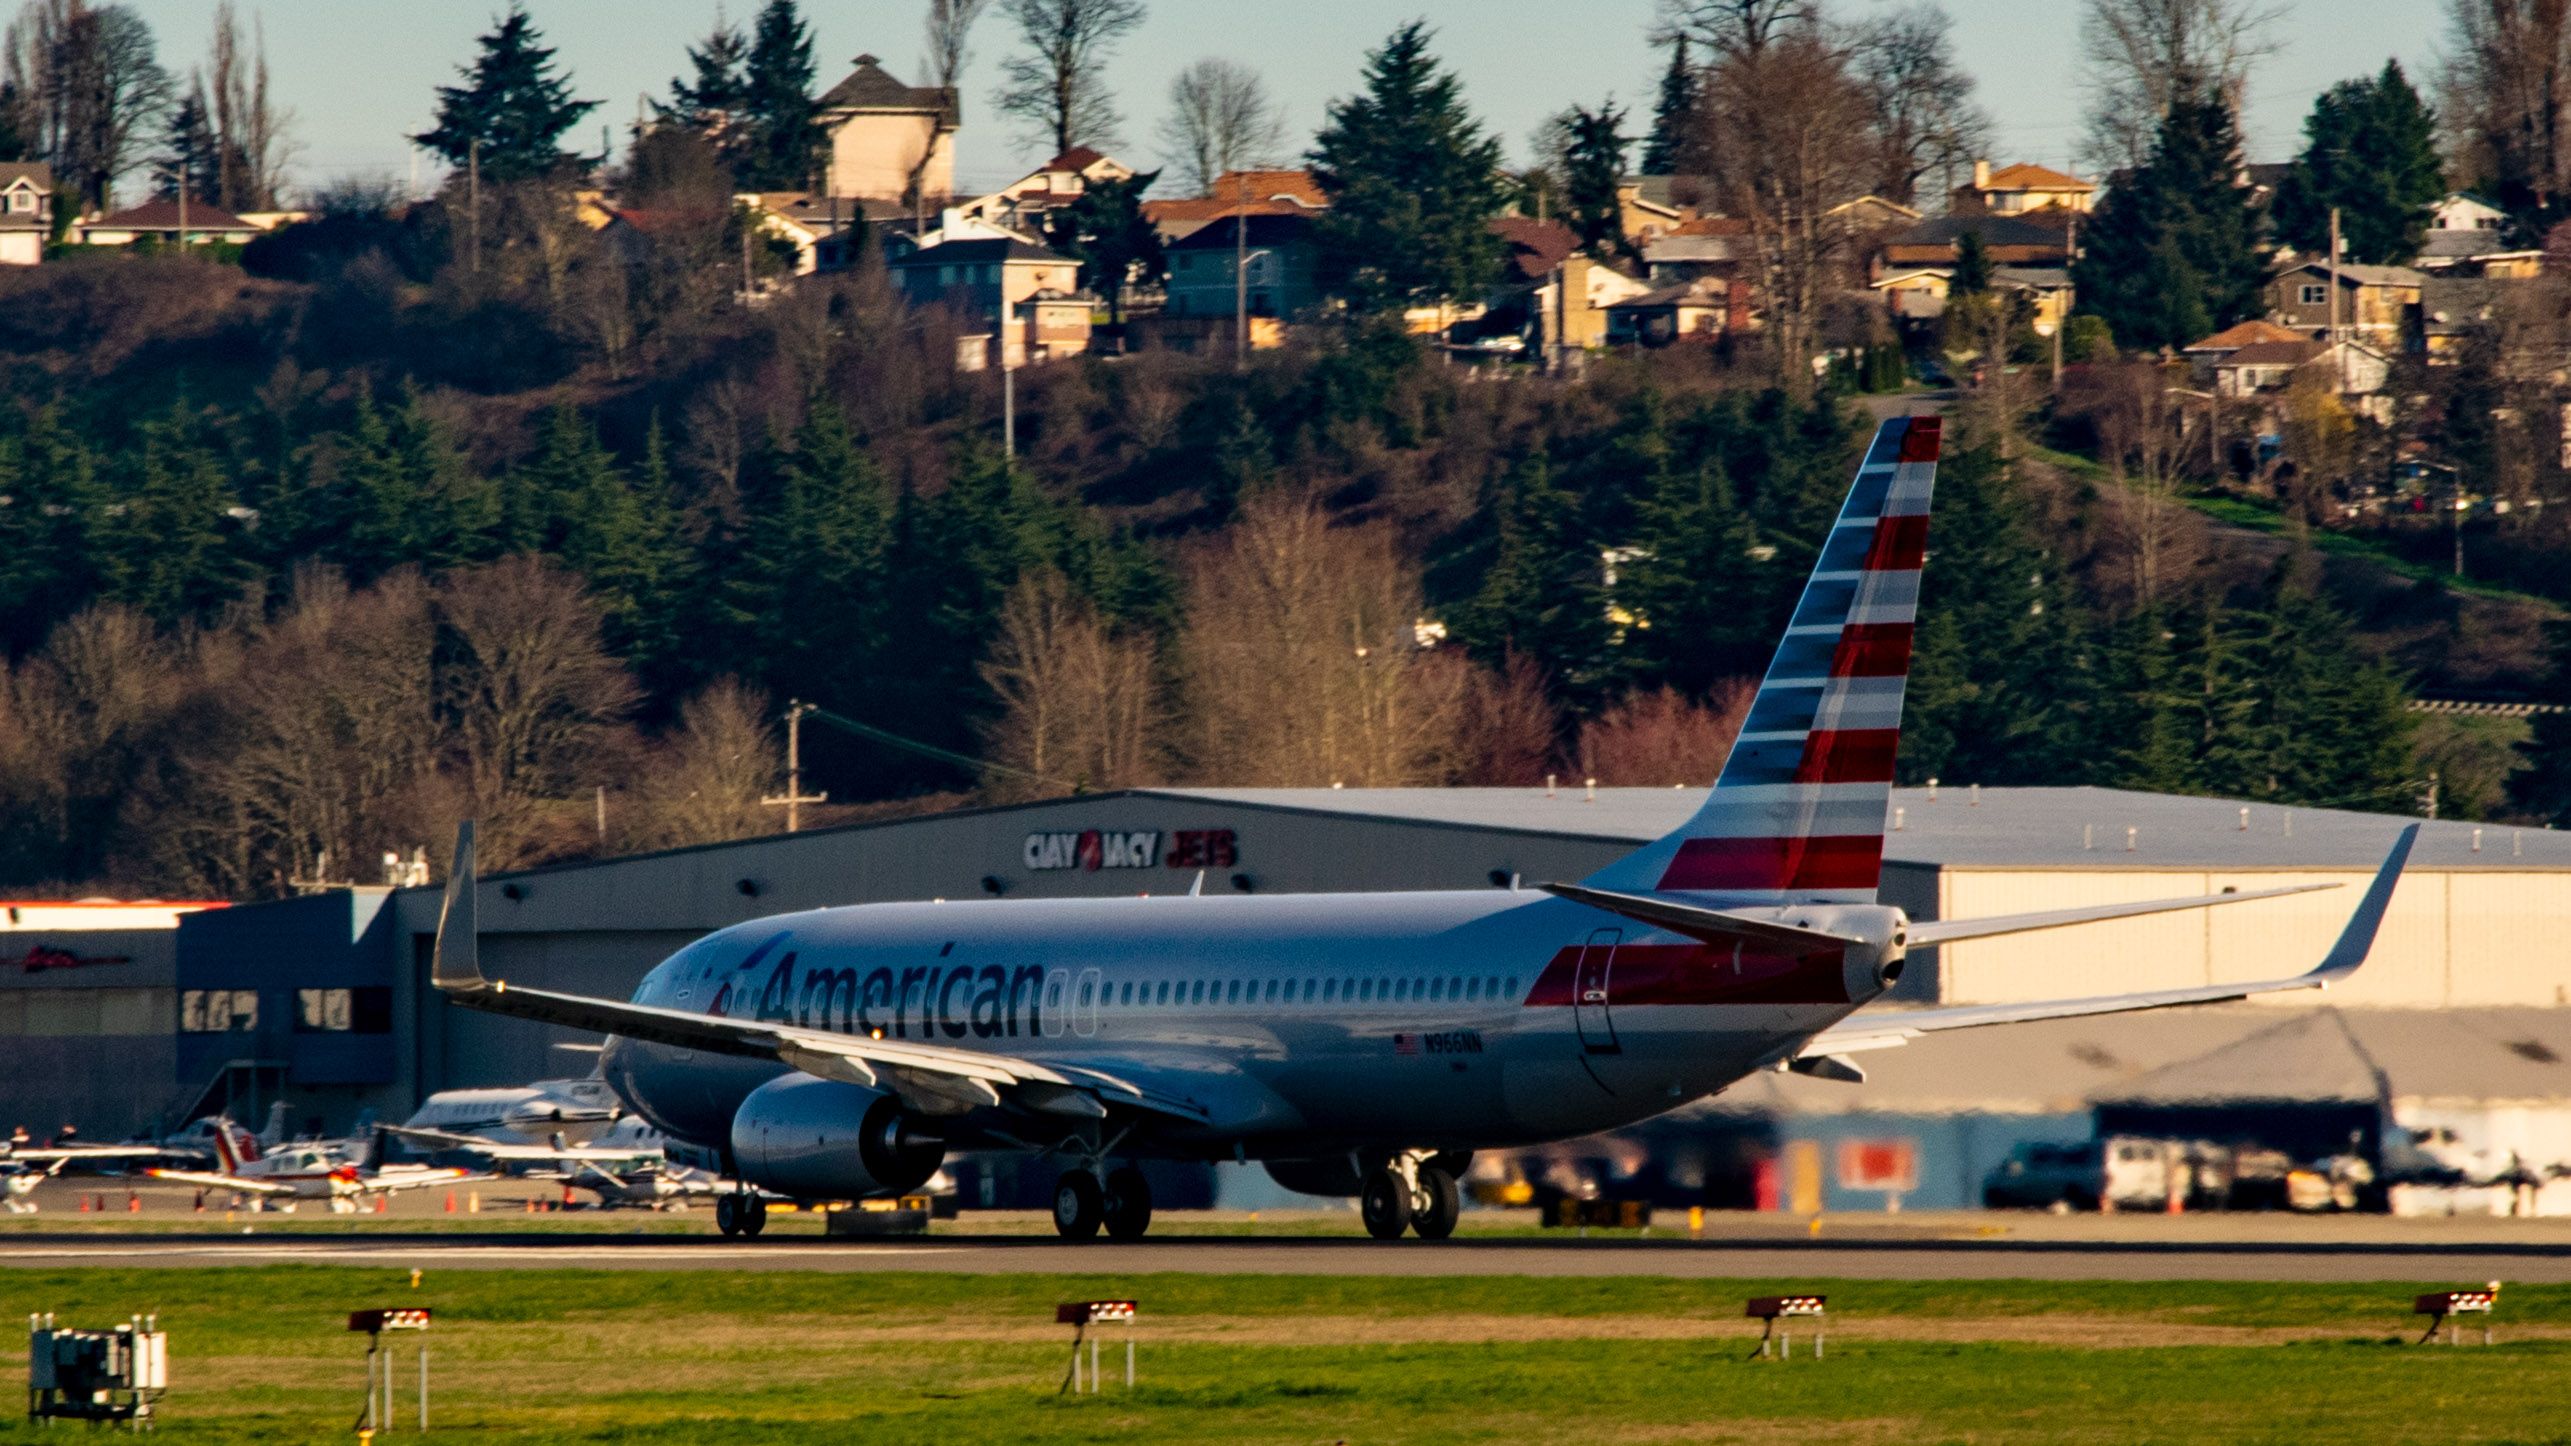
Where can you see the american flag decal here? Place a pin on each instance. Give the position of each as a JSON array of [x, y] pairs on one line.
[[1405, 1044]]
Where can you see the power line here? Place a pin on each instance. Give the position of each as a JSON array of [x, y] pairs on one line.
[[931, 750]]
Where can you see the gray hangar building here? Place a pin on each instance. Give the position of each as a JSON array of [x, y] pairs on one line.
[[324, 999]]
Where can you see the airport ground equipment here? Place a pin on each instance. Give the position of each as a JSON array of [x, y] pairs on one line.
[[378, 1415], [1080, 1315], [1791, 1308], [907, 1215], [1571, 1212], [2441, 1305], [96, 1376]]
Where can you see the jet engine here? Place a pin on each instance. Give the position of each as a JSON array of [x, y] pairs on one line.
[[818, 1139]]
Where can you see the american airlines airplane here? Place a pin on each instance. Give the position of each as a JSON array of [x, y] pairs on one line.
[[1356, 1044]]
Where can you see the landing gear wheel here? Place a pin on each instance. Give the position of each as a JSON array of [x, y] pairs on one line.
[[1435, 1205], [1385, 1204], [727, 1214], [1129, 1204], [1079, 1206], [753, 1215]]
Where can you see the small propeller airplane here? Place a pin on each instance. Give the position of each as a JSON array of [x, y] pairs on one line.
[[311, 1171]]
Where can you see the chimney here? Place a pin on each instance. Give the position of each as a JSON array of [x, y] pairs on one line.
[[1981, 174], [949, 221]]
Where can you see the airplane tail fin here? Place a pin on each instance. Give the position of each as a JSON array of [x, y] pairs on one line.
[[228, 1151], [1797, 814], [455, 961], [274, 1134]]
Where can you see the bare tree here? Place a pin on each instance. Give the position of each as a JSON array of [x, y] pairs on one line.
[[950, 28], [1079, 703], [1301, 661], [1663, 738], [1784, 132], [249, 129], [529, 692], [702, 781], [2141, 54], [1736, 27], [1220, 119], [1925, 118], [2503, 94], [1056, 84], [2145, 439], [90, 87], [1509, 725]]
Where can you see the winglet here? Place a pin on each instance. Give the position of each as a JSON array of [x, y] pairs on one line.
[[455, 964], [2358, 939]]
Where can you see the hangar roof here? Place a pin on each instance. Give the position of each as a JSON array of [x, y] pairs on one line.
[[2005, 828]]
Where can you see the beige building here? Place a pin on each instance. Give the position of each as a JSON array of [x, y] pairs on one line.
[[26, 212], [2378, 304], [2016, 190], [1024, 203], [889, 141]]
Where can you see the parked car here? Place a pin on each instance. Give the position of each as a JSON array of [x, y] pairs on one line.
[[2044, 1176]]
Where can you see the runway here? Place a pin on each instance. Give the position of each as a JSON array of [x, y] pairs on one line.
[[1763, 1259]]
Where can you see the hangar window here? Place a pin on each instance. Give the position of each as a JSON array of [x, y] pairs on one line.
[[216, 1011]]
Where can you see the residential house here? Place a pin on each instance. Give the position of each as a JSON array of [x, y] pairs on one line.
[[2202, 355], [1920, 294], [988, 283], [166, 222], [2007, 240], [1265, 264], [1705, 249], [632, 231], [1254, 193], [2019, 189], [2453, 309], [26, 211], [1648, 207], [887, 140], [1551, 292], [2466, 237], [1022, 204], [1699, 312], [2265, 371], [2379, 304]]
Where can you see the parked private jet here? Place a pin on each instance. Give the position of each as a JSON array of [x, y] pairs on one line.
[[1356, 1044]]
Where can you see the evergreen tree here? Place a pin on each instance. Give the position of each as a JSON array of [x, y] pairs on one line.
[[1117, 246], [1693, 585], [804, 586], [1672, 114], [512, 103], [190, 153], [167, 547], [1593, 171], [1244, 459], [1972, 266], [716, 99], [2543, 786], [2176, 246], [1413, 184], [1541, 596], [48, 565], [781, 150], [2156, 723], [2370, 150]]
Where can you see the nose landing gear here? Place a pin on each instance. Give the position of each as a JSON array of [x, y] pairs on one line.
[[1413, 1191]]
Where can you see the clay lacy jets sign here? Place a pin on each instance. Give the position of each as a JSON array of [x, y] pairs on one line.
[[1094, 849]]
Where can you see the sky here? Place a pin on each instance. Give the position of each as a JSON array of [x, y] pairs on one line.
[[360, 75]]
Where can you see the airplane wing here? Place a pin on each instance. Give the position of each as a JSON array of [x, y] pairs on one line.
[[929, 1077], [498, 1150], [415, 1180], [222, 1182], [54, 1154], [1883, 1031]]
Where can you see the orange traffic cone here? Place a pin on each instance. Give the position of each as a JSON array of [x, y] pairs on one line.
[[84, 1204], [450, 1202], [133, 1203]]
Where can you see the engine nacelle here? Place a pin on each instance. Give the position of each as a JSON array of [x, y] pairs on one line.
[[818, 1139]]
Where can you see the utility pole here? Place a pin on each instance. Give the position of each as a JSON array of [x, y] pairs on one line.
[[1241, 277], [2070, 295], [1008, 397], [183, 164], [794, 798], [602, 815], [2338, 358], [473, 199]]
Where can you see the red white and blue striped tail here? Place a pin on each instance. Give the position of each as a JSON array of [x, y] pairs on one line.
[[1797, 815]]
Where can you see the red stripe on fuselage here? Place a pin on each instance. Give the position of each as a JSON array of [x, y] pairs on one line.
[[1872, 650], [1848, 755], [1900, 545], [1851, 861], [1643, 974]]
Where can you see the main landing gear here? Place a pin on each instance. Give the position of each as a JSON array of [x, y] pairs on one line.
[[1123, 1205], [1413, 1191], [743, 1212]]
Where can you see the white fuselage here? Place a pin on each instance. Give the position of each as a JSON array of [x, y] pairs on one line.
[[1301, 1024]]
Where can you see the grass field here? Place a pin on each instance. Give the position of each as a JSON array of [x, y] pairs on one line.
[[261, 1355]]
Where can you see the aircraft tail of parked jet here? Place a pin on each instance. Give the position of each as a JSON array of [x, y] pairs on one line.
[[1797, 814]]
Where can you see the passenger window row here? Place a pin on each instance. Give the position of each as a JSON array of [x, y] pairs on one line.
[[1192, 992]]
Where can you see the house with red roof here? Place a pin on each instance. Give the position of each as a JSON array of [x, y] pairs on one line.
[[168, 222]]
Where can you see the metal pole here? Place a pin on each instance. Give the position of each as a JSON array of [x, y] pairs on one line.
[[424, 1383], [1241, 277], [473, 199], [1097, 1382], [1129, 1355], [1008, 397], [794, 766]]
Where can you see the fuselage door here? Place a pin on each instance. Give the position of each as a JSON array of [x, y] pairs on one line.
[[1056, 1002], [1591, 982]]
